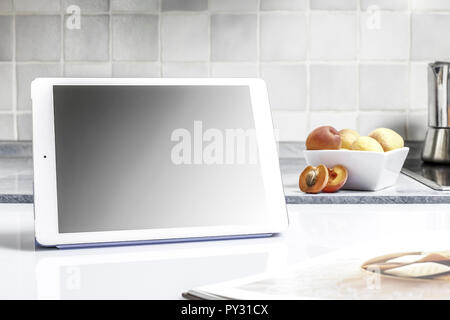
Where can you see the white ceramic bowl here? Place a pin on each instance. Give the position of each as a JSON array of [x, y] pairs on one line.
[[366, 170]]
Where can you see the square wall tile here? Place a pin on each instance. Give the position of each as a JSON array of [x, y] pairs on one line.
[[90, 42], [233, 5], [87, 70], [289, 125], [6, 127], [38, 38], [383, 86], [427, 42], [184, 5], [6, 36], [283, 37], [333, 87], [88, 6], [419, 86], [233, 37], [234, 70], [6, 5], [185, 70], [286, 84], [25, 127], [6, 88], [430, 4], [368, 121], [137, 69], [185, 37], [284, 4], [37, 5], [333, 36], [135, 5], [135, 37], [333, 4], [26, 73], [389, 41], [385, 4], [417, 126], [338, 120]]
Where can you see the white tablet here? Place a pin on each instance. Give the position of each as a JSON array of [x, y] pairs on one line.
[[132, 160]]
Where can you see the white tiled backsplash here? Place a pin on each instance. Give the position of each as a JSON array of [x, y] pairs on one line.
[[348, 63]]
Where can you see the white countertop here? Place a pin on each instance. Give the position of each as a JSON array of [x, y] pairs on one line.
[[164, 271]]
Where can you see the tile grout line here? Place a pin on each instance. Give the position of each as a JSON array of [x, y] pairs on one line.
[[243, 62], [62, 49], [234, 12], [407, 134], [258, 39], [246, 62], [14, 75], [15, 85], [160, 49], [358, 64], [308, 67], [209, 38], [18, 112], [110, 40]]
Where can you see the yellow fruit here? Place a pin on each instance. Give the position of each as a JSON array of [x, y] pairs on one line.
[[348, 136], [367, 144], [389, 139]]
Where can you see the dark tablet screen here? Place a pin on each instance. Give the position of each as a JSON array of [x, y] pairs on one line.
[[145, 157]]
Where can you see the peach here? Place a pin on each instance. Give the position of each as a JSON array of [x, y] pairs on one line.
[[389, 139], [348, 136], [367, 144], [323, 138], [337, 177], [313, 179]]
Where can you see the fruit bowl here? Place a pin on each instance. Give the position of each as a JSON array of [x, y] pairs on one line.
[[367, 170]]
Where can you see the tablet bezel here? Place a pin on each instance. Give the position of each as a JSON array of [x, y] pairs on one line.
[[45, 188]]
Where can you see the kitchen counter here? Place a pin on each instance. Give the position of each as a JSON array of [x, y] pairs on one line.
[[164, 271], [16, 181]]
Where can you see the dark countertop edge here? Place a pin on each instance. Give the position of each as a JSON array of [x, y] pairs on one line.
[[411, 199], [16, 198]]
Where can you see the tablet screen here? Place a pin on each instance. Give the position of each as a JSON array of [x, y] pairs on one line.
[[146, 157]]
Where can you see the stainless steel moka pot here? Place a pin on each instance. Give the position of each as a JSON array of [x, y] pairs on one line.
[[437, 141]]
